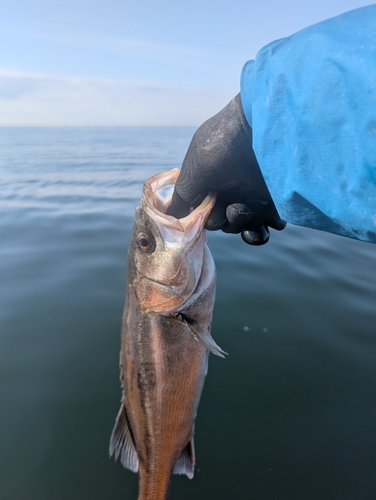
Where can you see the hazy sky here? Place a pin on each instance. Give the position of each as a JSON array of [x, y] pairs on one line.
[[144, 62]]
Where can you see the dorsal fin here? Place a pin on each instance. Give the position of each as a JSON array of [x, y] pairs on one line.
[[121, 442], [186, 462]]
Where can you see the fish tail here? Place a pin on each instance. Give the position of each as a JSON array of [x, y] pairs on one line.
[[154, 485], [154, 482]]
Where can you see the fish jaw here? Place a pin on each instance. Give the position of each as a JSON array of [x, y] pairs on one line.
[[176, 278], [156, 208], [166, 277]]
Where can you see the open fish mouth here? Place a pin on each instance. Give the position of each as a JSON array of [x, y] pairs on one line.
[[155, 206], [177, 262]]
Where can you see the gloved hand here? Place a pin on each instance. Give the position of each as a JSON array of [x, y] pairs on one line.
[[220, 157]]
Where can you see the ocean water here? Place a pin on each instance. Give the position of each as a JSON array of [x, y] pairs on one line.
[[290, 414]]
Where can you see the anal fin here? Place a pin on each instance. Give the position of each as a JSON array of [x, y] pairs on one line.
[[186, 462], [122, 443]]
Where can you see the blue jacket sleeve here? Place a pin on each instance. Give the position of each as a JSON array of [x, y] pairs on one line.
[[311, 102]]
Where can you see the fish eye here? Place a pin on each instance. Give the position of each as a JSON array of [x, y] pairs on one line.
[[145, 242]]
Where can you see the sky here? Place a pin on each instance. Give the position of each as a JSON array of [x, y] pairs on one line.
[[136, 62]]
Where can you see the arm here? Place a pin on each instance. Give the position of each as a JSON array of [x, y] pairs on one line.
[[309, 103]]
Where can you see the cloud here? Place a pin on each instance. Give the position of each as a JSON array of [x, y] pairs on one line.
[[116, 44], [13, 87], [28, 99]]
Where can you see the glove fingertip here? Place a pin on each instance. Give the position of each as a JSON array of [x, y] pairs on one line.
[[280, 225], [178, 207], [217, 218], [256, 238]]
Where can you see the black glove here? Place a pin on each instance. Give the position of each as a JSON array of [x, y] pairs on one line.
[[220, 157]]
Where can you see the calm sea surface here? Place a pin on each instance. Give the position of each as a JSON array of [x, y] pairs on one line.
[[289, 415]]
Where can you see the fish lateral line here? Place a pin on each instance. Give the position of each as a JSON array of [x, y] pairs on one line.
[[200, 334]]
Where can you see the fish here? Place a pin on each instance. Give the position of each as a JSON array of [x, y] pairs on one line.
[[165, 339]]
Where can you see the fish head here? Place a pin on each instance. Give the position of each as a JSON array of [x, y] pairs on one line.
[[165, 257]]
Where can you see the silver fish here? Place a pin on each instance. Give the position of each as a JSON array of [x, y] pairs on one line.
[[165, 340]]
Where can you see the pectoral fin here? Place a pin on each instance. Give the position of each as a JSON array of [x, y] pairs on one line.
[[186, 462], [204, 337], [121, 442]]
